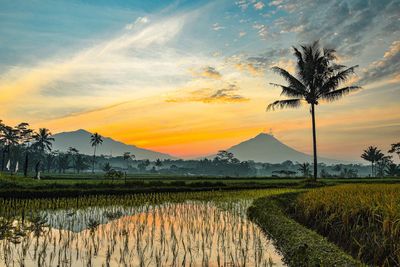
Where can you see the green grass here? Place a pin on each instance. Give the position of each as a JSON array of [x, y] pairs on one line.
[[57, 185], [300, 246]]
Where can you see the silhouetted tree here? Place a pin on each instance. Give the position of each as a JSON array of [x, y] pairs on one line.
[[62, 162], [95, 140], [25, 139], [372, 154], [304, 169], [392, 170], [9, 138], [43, 142], [395, 148], [158, 163], [107, 167], [318, 78]]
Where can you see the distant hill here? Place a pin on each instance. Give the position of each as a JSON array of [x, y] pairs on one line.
[[266, 148], [80, 139]]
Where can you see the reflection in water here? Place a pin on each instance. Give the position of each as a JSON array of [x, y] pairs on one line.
[[186, 234]]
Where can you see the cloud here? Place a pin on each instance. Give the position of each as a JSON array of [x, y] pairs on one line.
[[257, 65], [259, 5], [208, 95], [388, 67], [262, 30], [138, 21], [355, 25], [217, 27], [242, 33], [128, 64], [208, 72]]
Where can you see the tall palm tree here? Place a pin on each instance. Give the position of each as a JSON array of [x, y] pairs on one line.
[[9, 138], [95, 140], [43, 142], [25, 139], [372, 154], [318, 78]]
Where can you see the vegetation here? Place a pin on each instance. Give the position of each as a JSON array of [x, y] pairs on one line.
[[204, 228], [95, 140], [318, 78], [299, 245], [384, 164], [362, 219]]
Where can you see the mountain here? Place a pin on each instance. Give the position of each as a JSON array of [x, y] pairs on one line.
[[266, 148], [80, 139]]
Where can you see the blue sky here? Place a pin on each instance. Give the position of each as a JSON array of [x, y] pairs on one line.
[[63, 63]]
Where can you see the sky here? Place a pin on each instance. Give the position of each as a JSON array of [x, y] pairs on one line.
[[189, 78]]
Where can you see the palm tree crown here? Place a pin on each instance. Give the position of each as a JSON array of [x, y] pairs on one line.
[[373, 155], [43, 139], [318, 77], [96, 139]]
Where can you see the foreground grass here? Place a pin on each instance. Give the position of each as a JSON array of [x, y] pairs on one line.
[[300, 246], [362, 219]]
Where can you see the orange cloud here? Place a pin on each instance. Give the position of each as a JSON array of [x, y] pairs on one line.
[[207, 95]]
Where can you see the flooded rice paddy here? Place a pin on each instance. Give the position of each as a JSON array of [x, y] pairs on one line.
[[190, 233]]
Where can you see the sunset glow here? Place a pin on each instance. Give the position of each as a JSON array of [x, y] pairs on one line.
[[189, 78]]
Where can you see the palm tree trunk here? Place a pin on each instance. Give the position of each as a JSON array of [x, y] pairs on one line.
[[26, 164], [94, 158], [372, 169], [314, 142], [3, 159]]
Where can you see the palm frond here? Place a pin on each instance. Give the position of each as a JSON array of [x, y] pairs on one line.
[[339, 93], [287, 103], [293, 81], [289, 91], [335, 80]]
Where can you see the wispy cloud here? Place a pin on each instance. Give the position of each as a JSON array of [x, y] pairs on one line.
[[388, 67], [217, 27], [207, 72], [138, 21], [208, 95]]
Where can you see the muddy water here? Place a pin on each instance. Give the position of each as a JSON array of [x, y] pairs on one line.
[[186, 234]]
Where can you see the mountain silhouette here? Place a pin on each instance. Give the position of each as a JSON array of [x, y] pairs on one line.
[[80, 139], [266, 148]]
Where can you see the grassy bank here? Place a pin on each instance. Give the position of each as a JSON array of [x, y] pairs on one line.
[[362, 219], [299, 245], [88, 184]]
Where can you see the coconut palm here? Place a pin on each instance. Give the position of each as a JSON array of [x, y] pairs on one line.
[[395, 148], [318, 78], [372, 154], [304, 168], [42, 142], [9, 138], [95, 140], [128, 156], [25, 139]]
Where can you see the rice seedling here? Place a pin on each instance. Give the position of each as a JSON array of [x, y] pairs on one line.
[[181, 229]]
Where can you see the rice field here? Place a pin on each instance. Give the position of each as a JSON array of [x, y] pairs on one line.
[[363, 219], [181, 229]]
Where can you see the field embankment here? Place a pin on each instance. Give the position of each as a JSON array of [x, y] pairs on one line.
[[73, 185]]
